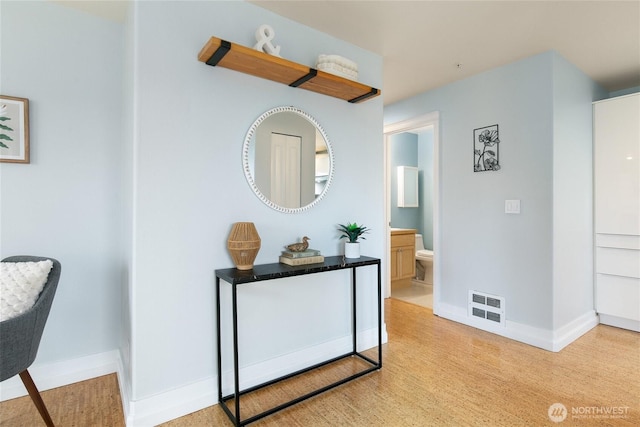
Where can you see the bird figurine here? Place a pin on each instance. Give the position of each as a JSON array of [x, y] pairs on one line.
[[299, 247]]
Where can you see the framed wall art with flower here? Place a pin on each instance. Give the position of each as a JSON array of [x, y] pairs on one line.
[[14, 129], [486, 143]]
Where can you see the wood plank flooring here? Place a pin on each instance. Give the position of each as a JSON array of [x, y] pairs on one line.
[[435, 373]]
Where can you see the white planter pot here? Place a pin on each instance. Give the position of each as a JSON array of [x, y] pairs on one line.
[[351, 250]]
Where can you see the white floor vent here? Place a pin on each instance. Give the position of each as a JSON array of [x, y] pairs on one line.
[[488, 307]]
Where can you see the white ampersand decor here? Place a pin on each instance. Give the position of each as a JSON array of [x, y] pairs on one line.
[[264, 35]]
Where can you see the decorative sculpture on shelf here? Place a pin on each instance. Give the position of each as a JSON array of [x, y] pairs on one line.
[[264, 35], [299, 247]]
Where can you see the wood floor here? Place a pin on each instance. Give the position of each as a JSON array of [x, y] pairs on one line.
[[435, 373]]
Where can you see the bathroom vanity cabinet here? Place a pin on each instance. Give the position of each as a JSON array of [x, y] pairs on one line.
[[403, 256], [617, 210]]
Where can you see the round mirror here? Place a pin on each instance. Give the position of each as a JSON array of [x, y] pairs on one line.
[[287, 159]]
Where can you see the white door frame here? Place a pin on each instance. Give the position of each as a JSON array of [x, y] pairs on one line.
[[426, 120]]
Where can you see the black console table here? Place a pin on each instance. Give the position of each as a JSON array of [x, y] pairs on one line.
[[237, 277]]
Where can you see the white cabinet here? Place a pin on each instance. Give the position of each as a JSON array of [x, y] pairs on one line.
[[617, 210]]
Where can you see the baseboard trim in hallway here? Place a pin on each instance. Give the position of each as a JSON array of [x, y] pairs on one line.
[[57, 374]]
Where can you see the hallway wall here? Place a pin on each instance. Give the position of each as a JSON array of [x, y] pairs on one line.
[[520, 257]]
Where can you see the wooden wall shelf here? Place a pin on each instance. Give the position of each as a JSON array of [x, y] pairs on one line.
[[218, 52]]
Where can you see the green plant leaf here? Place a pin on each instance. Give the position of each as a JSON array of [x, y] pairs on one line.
[[5, 127], [3, 146], [4, 118], [3, 136], [352, 231]]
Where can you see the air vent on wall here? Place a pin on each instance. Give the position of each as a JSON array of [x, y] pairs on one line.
[[487, 307]]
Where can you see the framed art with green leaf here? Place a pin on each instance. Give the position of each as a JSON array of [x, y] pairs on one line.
[[14, 129]]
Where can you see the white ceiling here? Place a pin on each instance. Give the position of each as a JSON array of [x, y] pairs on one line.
[[427, 44], [115, 10], [422, 42]]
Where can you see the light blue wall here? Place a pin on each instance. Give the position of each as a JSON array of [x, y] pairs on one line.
[[136, 179], [482, 248], [414, 149], [404, 152], [189, 187], [66, 203]]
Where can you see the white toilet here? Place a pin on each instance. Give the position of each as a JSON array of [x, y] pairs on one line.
[[424, 262]]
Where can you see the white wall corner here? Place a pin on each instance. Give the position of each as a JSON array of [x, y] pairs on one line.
[[172, 404], [573, 330], [58, 374], [124, 384]]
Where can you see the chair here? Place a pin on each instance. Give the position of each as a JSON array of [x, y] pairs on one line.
[[20, 336]]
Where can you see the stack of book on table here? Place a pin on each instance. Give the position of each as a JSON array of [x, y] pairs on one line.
[[309, 256]]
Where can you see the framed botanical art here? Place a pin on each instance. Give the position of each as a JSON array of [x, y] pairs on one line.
[[14, 129], [486, 145]]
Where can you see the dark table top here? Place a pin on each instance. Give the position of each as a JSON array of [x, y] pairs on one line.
[[278, 270]]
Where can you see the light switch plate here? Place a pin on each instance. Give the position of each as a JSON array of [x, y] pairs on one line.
[[512, 206]]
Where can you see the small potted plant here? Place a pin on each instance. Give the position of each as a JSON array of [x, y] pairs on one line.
[[352, 232]]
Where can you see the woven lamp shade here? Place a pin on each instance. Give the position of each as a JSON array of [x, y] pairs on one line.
[[243, 244]]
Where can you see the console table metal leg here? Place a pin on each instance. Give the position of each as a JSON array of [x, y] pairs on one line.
[[379, 317], [218, 350], [236, 379], [353, 309]]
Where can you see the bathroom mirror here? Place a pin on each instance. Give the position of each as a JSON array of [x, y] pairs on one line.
[[408, 187], [287, 159]]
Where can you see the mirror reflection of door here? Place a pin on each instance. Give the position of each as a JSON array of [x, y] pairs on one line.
[[285, 170], [293, 174]]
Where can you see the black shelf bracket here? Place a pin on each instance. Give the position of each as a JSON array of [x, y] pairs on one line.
[[373, 92], [222, 50], [312, 73]]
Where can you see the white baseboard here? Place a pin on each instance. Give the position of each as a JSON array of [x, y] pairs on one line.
[[184, 400], [537, 337], [619, 322], [193, 397], [124, 384], [172, 404], [57, 374]]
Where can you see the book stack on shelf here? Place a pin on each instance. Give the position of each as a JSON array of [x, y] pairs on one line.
[[309, 256]]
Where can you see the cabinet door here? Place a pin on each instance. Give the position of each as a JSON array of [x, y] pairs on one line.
[[394, 263], [407, 262], [617, 165], [617, 210]]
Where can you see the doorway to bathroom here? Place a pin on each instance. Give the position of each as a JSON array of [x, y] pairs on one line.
[[410, 144]]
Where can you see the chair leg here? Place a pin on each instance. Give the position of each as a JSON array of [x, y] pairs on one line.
[[35, 396]]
